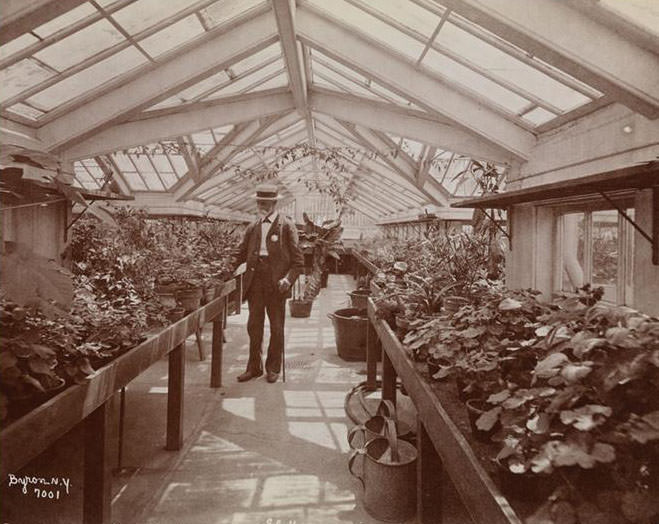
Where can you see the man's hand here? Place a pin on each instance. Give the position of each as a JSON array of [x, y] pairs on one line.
[[284, 285]]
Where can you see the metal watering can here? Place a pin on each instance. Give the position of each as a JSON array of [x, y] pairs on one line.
[[375, 426], [388, 477]]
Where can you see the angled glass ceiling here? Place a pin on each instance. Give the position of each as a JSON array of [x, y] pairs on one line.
[[95, 46], [460, 53]]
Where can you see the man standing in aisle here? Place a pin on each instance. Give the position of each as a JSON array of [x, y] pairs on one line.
[[274, 261]]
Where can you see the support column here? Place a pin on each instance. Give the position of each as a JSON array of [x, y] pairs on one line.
[[388, 379], [175, 386], [217, 350], [97, 490], [428, 479]]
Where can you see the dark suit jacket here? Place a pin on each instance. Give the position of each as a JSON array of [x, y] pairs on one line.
[[284, 253]]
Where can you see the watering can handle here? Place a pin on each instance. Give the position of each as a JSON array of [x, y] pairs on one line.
[[353, 455], [392, 437], [354, 431], [386, 408]]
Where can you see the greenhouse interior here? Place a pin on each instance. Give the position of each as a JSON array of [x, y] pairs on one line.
[[329, 261]]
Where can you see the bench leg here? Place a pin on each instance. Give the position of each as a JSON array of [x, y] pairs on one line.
[[97, 489], [175, 385]]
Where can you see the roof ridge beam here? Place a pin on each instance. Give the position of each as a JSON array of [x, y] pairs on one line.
[[189, 119], [403, 78], [178, 73], [406, 122], [589, 51]]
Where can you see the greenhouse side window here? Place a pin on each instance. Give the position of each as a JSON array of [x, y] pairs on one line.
[[596, 247]]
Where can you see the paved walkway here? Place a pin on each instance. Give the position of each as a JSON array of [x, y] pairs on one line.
[[254, 452]]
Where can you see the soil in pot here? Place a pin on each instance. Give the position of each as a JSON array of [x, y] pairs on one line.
[[475, 408]]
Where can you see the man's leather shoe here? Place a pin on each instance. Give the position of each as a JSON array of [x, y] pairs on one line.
[[248, 375], [272, 377]]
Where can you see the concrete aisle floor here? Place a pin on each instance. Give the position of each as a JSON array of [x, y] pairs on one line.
[[254, 452]]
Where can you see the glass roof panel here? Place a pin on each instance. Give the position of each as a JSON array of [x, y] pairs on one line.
[[142, 14], [643, 13], [412, 148], [408, 13], [162, 163], [237, 86], [142, 163], [169, 179], [21, 76], [338, 80], [17, 44], [26, 111], [153, 182], [65, 20], [221, 131], [180, 166], [280, 80], [225, 10], [372, 26], [197, 89], [88, 78], [257, 58], [80, 45], [468, 79], [172, 36], [134, 181], [123, 163], [538, 116], [509, 68]]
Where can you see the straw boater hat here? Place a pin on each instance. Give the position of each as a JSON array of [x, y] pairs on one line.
[[267, 192]]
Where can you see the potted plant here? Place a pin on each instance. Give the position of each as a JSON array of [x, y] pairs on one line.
[[325, 241]]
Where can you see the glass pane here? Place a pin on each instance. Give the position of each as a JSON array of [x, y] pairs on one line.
[[162, 163], [573, 251], [201, 87], [644, 13], [65, 20], [336, 78], [169, 179], [172, 36], [89, 78], [605, 252], [225, 10], [17, 44], [239, 85], [145, 13], [509, 68], [221, 131], [468, 79], [80, 45], [21, 76], [278, 81], [142, 163], [538, 116], [179, 164], [123, 163], [373, 27], [134, 181], [153, 182], [408, 13], [256, 59], [26, 111]]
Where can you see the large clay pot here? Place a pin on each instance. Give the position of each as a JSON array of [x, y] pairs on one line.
[[300, 308]]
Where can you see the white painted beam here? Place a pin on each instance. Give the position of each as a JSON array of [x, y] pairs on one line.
[[408, 123], [188, 119], [571, 41], [219, 177], [403, 78], [285, 16], [182, 71], [425, 162]]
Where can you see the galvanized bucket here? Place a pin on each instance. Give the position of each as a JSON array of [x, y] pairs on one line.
[[375, 426], [388, 477]]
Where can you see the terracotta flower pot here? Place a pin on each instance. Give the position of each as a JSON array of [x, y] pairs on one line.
[[475, 408], [300, 308], [190, 298]]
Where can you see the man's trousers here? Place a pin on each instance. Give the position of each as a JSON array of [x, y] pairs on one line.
[[263, 297]]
